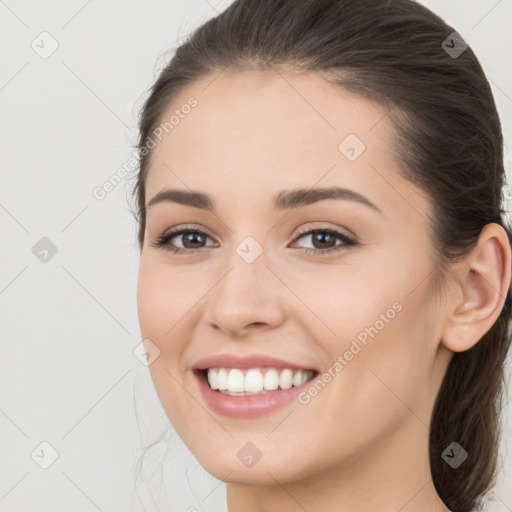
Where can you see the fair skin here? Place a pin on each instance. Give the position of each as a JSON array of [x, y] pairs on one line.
[[361, 444]]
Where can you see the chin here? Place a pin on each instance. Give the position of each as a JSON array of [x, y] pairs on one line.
[[231, 468]]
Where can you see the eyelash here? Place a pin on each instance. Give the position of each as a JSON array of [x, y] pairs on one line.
[[164, 240]]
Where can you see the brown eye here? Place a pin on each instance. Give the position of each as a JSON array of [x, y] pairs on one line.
[[192, 240], [324, 240]]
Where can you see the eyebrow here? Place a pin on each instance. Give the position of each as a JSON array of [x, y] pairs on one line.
[[286, 199]]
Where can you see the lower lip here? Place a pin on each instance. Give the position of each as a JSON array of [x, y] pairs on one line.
[[248, 406]]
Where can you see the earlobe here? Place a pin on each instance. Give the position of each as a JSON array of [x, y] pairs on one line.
[[483, 280]]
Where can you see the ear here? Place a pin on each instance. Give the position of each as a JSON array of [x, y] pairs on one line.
[[482, 283]]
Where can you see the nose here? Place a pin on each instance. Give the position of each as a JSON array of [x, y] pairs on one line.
[[247, 296]]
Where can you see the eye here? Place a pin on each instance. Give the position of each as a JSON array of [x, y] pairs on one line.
[[192, 237], [326, 237]]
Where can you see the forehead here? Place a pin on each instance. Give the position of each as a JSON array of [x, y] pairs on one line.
[[268, 130]]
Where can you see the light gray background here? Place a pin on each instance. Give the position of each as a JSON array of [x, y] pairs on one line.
[[69, 326]]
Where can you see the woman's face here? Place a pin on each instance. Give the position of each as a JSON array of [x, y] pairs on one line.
[[360, 316]]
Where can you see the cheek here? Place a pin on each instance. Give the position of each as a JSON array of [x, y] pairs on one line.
[[162, 303], [380, 301], [387, 364], [344, 301], [165, 296], [379, 328]]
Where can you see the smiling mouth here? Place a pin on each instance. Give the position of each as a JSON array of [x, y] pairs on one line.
[[254, 381]]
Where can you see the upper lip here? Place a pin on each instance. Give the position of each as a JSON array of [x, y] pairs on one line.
[[252, 361]]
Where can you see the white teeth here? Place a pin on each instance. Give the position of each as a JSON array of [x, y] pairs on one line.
[[222, 381], [255, 381], [285, 379], [213, 380], [297, 378], [235, 380], [271, 380]]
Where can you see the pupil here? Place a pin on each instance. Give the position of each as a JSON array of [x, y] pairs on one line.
[[322, 238], [192, 236]]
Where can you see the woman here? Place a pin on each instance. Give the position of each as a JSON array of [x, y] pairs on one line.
[[325, 268]]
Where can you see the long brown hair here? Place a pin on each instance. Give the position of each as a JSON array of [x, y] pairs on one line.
[[448, 142]]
